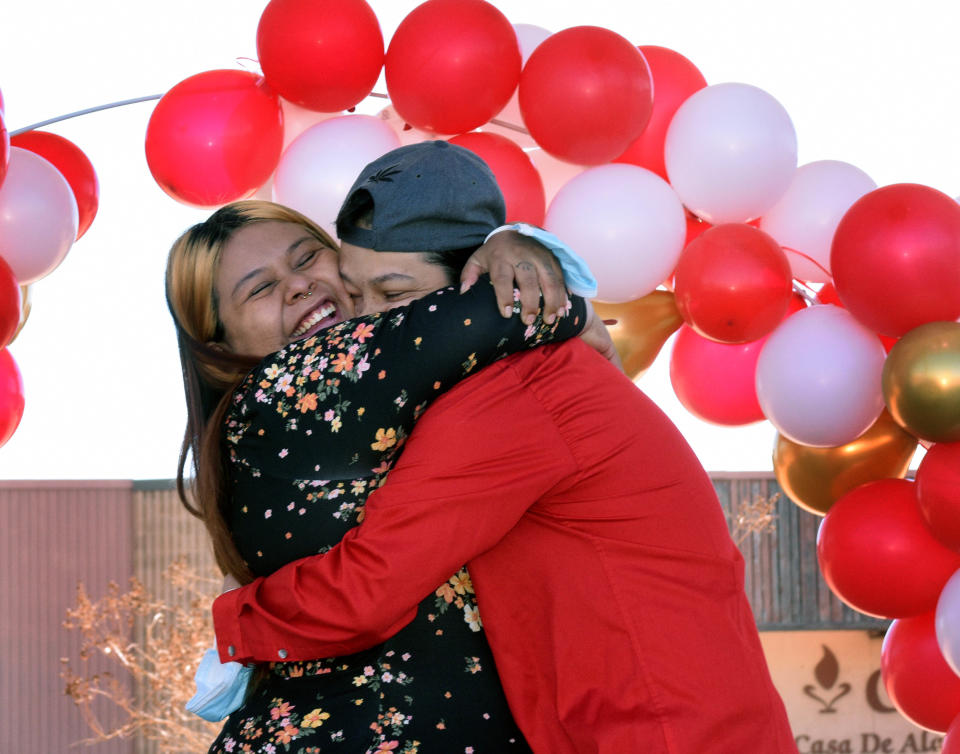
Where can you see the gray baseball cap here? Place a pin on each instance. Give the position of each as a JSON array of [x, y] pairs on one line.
[[431, 196]]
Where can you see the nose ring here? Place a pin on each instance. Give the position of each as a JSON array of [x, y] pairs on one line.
[[305, 295]]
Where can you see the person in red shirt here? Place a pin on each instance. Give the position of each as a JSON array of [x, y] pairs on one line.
[[609, 587]]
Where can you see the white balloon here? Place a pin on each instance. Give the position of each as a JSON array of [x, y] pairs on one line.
[[730, 152], [818, 377], [948, 622], [38, 216], [320, 165], [807, 215], [626, 222], [298, 119], [529, 36], [406, 133]]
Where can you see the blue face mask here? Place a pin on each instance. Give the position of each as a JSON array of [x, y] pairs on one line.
[[221, 687], [576, 274]]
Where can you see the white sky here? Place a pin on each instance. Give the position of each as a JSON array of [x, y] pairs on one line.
[[869, 83]]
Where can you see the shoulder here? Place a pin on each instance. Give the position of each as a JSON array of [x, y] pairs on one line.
[[561, 359], [560, 367]]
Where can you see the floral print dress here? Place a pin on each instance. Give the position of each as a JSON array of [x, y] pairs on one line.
[[310, 433]]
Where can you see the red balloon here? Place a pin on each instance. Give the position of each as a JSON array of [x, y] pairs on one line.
[[918, 680], [877, 555], [951, 744], [452, 65], [585, 95], [517, 177], [695, 228], [896, 258], [324, 55], [11, 301], [938, 492], [733, 283], [828, 295], [4, 148], [716, 382], [11, 396], [674, 79], [73, 164], [215, 137]]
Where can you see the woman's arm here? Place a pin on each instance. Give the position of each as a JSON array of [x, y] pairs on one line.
[[542, 267], [476, 461], [359, 386]]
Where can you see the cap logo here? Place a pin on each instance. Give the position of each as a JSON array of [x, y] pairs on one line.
[[384, 174], [428, 196]]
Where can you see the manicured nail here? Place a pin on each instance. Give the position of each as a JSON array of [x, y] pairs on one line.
[[464, 286], [528, 320], [508, 311], [550, 319]]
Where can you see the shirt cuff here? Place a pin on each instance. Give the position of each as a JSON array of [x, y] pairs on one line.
[[226, 627], [576, 274]]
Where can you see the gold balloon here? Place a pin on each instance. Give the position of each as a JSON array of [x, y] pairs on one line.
[[642, 328], [921, 381], [24, 310], [815, 478]]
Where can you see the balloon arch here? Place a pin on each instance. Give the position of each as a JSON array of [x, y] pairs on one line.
[[804, 296]]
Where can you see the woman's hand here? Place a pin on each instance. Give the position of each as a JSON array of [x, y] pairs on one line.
[[596, 335], [516, 261]]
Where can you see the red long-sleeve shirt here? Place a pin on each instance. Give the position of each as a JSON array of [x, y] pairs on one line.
[[610, 590]]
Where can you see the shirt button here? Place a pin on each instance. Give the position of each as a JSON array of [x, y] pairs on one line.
[[231, 650], [282, 653]]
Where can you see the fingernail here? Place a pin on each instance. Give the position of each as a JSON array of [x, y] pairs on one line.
[[529, 319], [464, 286], [508, 311], [550, 319], [561, 311]]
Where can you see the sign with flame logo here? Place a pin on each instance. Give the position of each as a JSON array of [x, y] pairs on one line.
[[831, 686]]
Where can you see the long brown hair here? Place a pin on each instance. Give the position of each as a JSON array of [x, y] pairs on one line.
[[211, 373]]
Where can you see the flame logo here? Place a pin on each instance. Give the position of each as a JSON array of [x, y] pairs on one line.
[[826, 673]]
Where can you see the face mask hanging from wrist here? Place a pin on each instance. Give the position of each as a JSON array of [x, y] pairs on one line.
[[221, 687]]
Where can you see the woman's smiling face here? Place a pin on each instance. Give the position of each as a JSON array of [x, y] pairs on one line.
[[277, 283]]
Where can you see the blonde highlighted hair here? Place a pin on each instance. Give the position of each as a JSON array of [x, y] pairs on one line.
[[210, 372]]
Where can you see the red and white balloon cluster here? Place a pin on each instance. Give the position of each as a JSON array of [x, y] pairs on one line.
[[48, 198], [659, 181], [891, 548]]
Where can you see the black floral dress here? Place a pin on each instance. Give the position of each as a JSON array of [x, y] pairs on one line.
[[311, 432]]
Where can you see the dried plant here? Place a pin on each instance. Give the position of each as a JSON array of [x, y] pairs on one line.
[[155, 644], [757, 517]]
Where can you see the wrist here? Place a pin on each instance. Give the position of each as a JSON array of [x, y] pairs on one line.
[[577, 276], [524, 229]]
